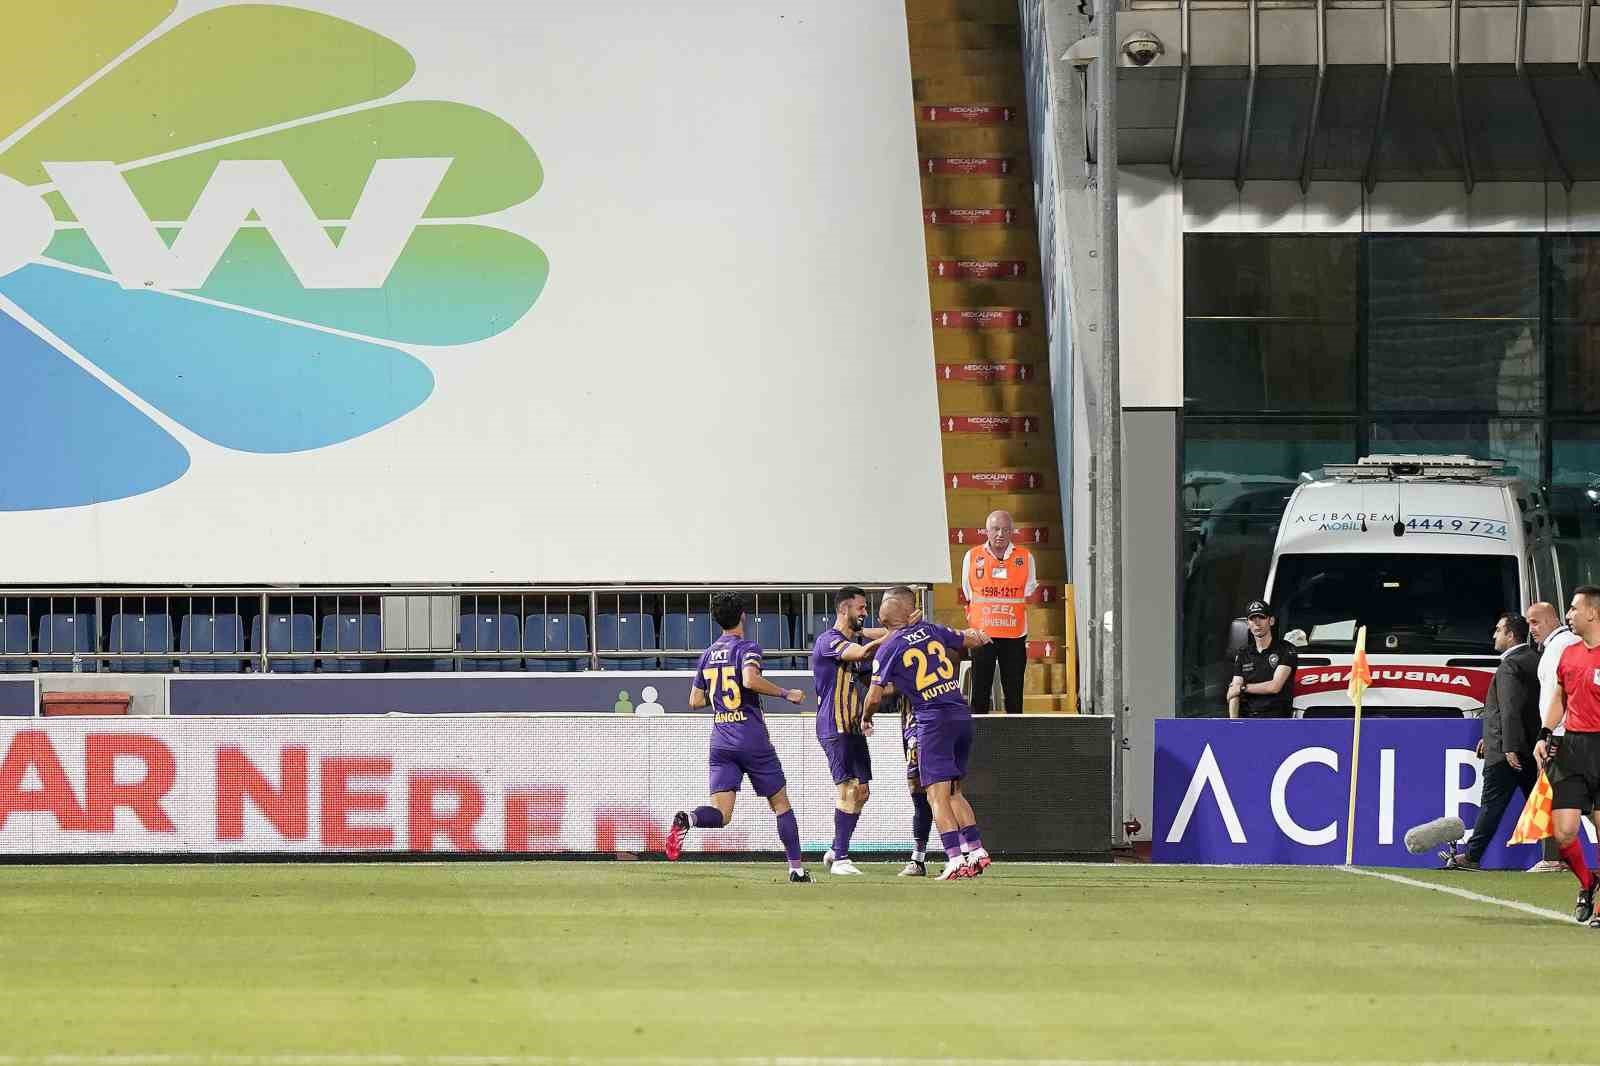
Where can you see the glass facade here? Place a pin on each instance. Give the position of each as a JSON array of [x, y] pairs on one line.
[[1305, 350]]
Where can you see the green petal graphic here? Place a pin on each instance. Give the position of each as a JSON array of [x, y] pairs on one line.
[[330, 160], [451, 285], [222, 73], [47, 49]]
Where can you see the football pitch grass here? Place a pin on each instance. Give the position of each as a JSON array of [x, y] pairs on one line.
[[482, 964]]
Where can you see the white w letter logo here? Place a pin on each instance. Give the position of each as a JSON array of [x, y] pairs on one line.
[[396, 194]]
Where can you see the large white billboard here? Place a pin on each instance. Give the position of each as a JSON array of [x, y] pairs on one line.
[[481, 783], [393, 291]]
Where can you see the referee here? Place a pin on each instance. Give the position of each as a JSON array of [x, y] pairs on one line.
[[1574, 765], [998, 579]]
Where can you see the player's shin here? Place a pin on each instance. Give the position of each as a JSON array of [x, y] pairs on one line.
[[789, 833], [844, 827], [921, 825]]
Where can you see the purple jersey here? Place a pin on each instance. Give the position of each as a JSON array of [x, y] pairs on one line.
[[921, 661], [720, 675], [841, 688]]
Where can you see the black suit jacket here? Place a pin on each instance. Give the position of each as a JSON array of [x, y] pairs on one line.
[[1511, 710]]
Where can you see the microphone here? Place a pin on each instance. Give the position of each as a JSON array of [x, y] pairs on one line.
[[1429, 835]]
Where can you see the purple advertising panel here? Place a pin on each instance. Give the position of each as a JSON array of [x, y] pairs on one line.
[[18, 696], [1279, 791]]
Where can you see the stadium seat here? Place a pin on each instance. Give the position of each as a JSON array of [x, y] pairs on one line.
[[285, 632], [491, 632], [556, 632], [210, 633], [70, 633], [693, 631], [771, 631], [626, 632], [14, 638], [141, 633], [351, 632]]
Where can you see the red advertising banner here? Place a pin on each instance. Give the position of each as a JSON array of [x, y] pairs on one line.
[[981, 318], [966, 114], [999, 425], [969, 216], [996, 481], [982, 166], [1020, 373], [1449, 680], [979, 269], [1021, 535]]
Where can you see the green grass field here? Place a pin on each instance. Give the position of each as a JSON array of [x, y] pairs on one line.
[[639, 961]]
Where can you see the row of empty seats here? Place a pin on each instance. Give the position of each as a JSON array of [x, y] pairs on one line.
[[208, 643]]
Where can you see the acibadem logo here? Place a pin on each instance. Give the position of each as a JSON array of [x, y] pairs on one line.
[[231, 225]]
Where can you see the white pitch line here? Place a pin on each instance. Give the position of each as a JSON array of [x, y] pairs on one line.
[[664, 1060], [1476, 897]]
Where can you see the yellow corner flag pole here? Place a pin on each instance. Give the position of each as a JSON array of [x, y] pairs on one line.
[[1360, 678]]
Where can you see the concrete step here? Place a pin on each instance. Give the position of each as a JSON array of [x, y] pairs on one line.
[[998, 12], [1009, 189], [973, 508], [964, 396], [935, 59], [994, 346], [991, 292], [1002, 87], [964, 34], [986, 242], [1009, 140], [974, 451]]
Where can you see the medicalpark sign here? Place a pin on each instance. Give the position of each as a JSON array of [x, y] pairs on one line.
[[1278, 791]]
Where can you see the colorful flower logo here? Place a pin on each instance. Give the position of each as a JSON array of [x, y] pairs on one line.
[[218, 223]]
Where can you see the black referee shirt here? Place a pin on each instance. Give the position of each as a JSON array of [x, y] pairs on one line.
[[1259, 666]]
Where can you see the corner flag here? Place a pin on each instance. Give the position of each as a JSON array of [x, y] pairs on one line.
[[1360, 680], [1536, 817]]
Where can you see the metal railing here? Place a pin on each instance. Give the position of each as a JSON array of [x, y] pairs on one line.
[[397, 628]]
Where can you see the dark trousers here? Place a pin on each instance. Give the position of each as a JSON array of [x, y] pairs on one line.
[[1500, 783], [1010, 654]]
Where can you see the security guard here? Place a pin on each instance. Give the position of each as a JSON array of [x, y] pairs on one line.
[[1263, 671], [998, 579]]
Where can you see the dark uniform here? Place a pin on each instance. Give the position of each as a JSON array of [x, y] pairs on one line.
[[1257, 667]]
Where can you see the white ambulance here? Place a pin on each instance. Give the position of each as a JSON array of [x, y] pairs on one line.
[[1426, 551]]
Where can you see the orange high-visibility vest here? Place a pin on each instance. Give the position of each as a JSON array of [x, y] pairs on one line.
[[997, 588]]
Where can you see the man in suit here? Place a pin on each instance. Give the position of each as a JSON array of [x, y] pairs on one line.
[[1510, 727]]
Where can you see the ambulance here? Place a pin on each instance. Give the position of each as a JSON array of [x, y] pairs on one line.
[[1426, 551]]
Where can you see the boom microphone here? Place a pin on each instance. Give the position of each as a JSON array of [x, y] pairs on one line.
[[1429, 835]]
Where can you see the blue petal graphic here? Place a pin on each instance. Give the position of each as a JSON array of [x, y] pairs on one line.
[[241, 381], [69, 441]]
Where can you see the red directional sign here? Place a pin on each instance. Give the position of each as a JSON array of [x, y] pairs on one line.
[[966, 114], [1021, 535], [981, 318], [984, 166], [982, 269], [969, 216], [1003, 425], [996, 480], [1044, 649], [986, 372]]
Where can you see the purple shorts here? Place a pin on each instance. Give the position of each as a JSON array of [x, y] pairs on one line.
[[730, 766], [943, 745], [848, 757]]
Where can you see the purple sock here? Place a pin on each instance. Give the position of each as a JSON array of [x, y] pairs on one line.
[[789, 833], [844, 825], [969, 835], [706, 818], [922, 820], [952, 843]]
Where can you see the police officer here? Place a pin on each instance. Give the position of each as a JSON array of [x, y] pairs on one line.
[[1263, 671]]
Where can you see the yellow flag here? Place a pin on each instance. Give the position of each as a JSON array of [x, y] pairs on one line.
[[1360, 672], [1534, 825]]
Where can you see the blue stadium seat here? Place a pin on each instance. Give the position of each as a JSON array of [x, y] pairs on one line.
[[14, 638], [351, 632], [68, 633], [692, 631], [556, 632], [771, 631], [626, 632], [294, 633], [211, 633], [141, 633], [491, 632]]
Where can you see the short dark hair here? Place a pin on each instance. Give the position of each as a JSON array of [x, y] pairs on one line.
[[1590, 593], [1516, 625], [846, 594], [727, 608]]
